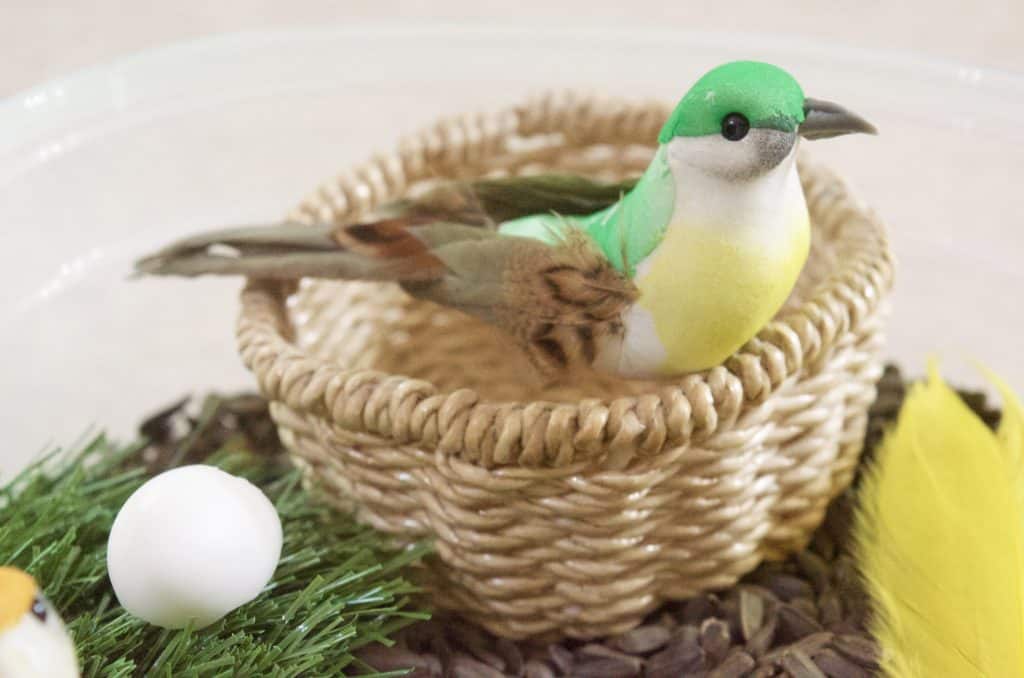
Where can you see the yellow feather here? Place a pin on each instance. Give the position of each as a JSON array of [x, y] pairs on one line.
[[940, 538]]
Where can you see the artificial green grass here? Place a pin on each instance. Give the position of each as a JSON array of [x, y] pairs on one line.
[[336, 588]]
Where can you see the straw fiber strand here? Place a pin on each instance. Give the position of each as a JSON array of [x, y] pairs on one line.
[[571, 509]]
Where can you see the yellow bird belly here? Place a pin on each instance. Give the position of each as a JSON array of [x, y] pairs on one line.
[[706, 292]]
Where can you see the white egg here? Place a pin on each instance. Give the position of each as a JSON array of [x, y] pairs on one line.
[[192, 544]]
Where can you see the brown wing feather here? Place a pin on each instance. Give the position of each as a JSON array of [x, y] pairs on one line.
[[402, 245], [388, 238]]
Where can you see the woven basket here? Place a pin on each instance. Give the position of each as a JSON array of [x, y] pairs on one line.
[[579, 510]]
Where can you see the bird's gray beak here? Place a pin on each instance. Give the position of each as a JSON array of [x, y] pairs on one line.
[[824, 119]]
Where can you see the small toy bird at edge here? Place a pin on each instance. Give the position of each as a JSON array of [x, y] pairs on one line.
[[33, 640], [667, 275]]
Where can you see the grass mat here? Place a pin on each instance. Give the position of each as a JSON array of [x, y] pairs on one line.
[[336, 589]]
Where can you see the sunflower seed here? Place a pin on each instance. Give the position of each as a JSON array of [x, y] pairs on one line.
[[751, 613], [858, 648], [814, 568], [561, 657], [830, 608], [805, 605], [813, 642], [513, 657], [688, 636], [762, 640], [642, 639], [492, 659], [715, 639], [835, 665], [799, 665], [787, 587], [737, 663], [683, 655], [795, 623]]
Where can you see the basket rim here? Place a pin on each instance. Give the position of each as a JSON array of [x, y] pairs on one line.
[[461, 422]]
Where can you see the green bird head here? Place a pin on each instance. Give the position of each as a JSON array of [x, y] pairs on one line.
[[742, 119]]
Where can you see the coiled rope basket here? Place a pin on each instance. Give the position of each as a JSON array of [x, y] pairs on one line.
[[572, 511]]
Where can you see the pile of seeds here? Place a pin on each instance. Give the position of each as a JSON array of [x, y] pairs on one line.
[[803, 618], [189, 431]]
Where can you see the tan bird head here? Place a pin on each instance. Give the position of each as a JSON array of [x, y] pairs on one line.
[[33, 640]]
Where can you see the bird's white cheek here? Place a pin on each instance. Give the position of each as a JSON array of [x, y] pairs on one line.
[[713, 155], [753, 156], [33, 649]]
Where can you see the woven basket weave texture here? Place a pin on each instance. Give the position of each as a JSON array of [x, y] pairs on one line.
[[574, 510]]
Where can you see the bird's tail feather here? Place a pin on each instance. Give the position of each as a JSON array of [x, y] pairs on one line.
[[399, 246], [394, 249]]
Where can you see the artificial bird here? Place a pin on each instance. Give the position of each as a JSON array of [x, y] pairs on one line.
[[33, 640], [669, 274]]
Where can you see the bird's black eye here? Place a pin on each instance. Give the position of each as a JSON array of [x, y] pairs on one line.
[[735, 126], [39, 609]]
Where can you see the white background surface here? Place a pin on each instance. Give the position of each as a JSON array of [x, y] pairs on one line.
[[44, 38], [217, 144]]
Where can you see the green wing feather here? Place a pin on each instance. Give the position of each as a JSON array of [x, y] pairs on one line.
[[626, 230]]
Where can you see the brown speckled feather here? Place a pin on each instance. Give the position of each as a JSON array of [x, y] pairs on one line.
[[566, 304]]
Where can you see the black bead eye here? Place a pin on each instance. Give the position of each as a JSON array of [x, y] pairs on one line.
[[39, 609], [735, 126]]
